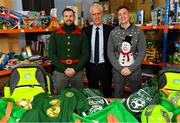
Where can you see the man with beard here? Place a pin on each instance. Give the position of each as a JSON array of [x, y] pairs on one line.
[[68, 50]]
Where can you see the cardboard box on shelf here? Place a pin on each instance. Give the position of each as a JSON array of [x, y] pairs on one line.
[[114, 4], [6, 3], [144, 5], [79, 7], [9, 43], [133, 5], [153, 34], [160, 3]]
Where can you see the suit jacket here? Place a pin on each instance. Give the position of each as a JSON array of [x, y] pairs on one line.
[[106, 31]]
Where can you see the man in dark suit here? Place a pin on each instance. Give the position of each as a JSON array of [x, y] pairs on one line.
[[98, 69]]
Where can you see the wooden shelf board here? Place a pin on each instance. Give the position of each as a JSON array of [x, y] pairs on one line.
[[5, 72], [161, 27], [174, 27], [153, 27], [161, 64], [174, 65], [11, 31]]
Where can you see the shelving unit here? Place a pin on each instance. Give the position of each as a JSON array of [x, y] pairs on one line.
[[5, 72], [166, 27], [174, 27], [166, 22], [16, 31], [161, 64], [152, 27], [163, 27]]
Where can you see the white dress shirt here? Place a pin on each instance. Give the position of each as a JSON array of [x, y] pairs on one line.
[[101, 44]]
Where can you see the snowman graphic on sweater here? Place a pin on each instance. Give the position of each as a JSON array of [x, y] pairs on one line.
[[126, 56]]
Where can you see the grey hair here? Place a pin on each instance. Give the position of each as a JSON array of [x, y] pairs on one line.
[[96, 5]]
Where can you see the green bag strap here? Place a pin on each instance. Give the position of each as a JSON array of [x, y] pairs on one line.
[[176, 116], [165, 91], [112, 119], [168, 104], [77, 121], [8, 112]]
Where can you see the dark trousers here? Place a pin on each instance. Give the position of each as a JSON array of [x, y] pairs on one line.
[[133, 81], [100, 73], [61, 81]]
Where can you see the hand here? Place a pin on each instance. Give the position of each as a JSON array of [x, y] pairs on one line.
[[125, 71], [70, 72], [67, 72]]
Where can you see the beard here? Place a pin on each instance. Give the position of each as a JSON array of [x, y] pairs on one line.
[[68, 22]]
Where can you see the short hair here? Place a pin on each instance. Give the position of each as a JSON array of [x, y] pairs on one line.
[[68, 9], [122, 7], [96, 5]]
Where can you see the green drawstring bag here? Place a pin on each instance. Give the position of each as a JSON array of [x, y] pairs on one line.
[[95, 99], [114, 112], [9, 111], [137, 101]]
